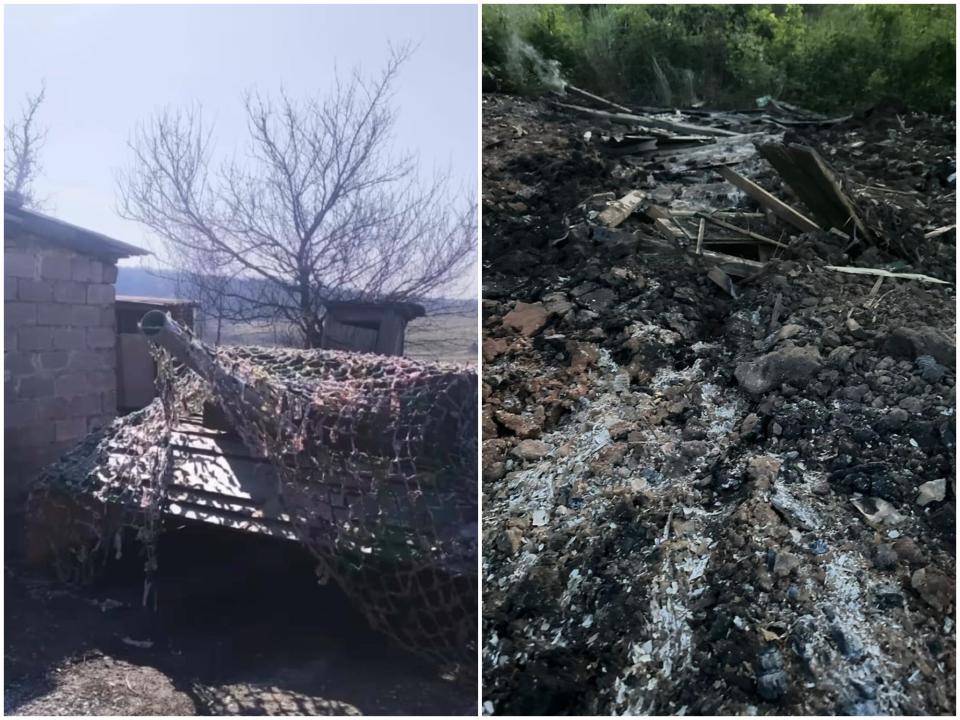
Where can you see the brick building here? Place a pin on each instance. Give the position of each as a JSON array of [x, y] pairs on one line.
[[60, 339]]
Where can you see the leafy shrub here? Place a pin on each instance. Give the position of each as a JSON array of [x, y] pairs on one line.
[[825, 57]]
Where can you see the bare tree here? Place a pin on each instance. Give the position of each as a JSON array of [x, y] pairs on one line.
[[209, 291], [319, 210], [21, 157], [205, 280]]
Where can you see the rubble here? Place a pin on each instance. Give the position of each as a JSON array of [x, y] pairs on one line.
[[720, 516]]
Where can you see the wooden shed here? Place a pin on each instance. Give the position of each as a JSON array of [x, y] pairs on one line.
[[374, 327]]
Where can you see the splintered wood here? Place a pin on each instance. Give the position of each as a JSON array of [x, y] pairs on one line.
[[723, 281], [769, 202], [741, 231], [730, 264], [809, 176], [939, 231], [619, 210]]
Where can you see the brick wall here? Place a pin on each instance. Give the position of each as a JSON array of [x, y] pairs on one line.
[[60, 348]]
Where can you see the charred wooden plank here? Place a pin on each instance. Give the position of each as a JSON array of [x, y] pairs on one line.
[[596, 98], [766, 200], [809, 176]]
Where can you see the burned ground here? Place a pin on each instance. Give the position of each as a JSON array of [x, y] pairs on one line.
[[716, 495]]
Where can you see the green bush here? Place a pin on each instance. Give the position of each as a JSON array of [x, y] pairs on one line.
[[829, 57]]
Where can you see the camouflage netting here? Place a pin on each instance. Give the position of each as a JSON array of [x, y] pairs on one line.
[[376, 458], [115, 478]]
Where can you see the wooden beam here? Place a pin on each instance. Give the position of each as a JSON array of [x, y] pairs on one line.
[[798, 123], [596, 98], [768, 201], [631, 119], [619, 210], [733, 265], [725, 214]]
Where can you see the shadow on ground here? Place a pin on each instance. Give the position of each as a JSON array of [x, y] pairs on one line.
[[242, 627]]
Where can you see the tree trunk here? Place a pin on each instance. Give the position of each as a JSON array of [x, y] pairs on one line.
[[312, 333]]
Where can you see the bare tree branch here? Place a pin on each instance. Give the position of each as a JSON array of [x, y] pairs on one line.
[[21, 158], [320, 209]]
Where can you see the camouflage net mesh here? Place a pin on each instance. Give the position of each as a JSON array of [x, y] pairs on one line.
[[376, 459], [114, 479]]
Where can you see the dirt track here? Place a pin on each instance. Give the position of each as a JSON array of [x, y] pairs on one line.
[[242, 628], [705, 504]]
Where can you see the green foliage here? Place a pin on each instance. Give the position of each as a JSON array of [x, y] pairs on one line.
[[829, 57]]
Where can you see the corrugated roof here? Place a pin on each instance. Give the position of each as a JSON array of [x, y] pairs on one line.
[[17, 220]]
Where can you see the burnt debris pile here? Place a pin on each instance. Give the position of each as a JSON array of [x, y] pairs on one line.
[[718, 410], [373, 465]]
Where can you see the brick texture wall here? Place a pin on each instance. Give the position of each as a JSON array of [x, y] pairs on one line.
[[60, 348]]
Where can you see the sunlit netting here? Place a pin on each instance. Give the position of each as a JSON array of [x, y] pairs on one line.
[[376, 458], [115, 478]]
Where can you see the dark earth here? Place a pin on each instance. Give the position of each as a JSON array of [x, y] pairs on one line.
[[241, 627], [703, 499]]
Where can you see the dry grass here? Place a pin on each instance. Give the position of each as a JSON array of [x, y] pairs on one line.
[[450, 338]]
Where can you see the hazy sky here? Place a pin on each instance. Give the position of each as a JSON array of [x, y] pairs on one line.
[[107, 68]]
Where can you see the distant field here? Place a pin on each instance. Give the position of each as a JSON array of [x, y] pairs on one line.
[[442, 337], [452, 338]]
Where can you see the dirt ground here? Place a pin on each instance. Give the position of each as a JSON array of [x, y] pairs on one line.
[[705, 498], [242, 627]]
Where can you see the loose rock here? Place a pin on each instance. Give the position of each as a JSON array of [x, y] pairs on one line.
[[885, 557], [532, 450], [527, 318], [510, 541], [763, 470], [523, 427], [932, 491], [934, 587], [912, 343], [794, 364], [785, 564]]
